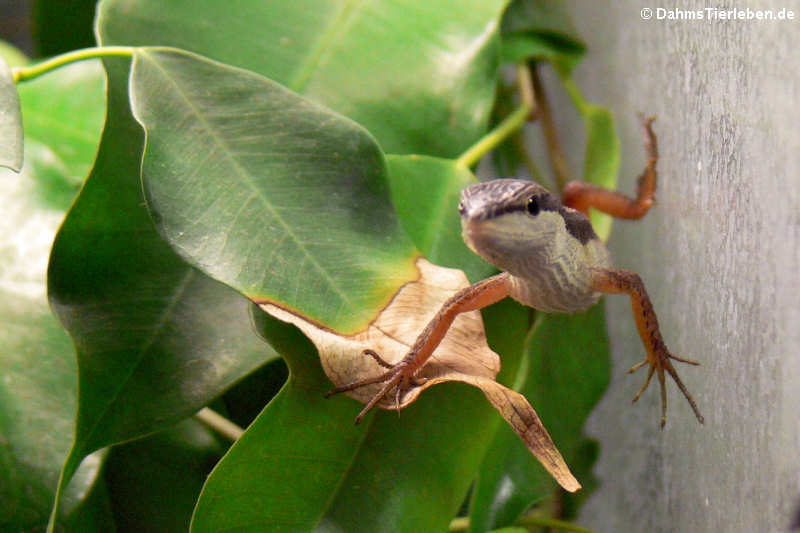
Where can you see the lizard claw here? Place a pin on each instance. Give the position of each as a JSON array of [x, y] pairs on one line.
[[400, 376], [659, 360]]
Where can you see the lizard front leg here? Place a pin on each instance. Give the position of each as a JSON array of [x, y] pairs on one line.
[[658, 356], [582, 196], [403, 374]]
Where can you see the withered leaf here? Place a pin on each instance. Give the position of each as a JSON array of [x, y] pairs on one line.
[[463, 355]]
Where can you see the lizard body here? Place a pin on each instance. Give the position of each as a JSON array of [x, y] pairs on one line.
[[551, 259]]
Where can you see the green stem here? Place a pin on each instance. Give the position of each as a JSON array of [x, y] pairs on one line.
[[575, 95], [491, 140], [33, 71]]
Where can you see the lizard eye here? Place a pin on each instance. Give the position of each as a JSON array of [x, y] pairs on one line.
[[533, 205], [461, 208]]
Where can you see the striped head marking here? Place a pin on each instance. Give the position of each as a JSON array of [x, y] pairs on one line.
[[505, 220]]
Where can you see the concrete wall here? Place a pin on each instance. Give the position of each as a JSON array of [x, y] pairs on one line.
[[720, 255]]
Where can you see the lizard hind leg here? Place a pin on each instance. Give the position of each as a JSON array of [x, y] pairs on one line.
[[658, 356]]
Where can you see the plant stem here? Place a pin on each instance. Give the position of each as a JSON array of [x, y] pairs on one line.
[[491, 140], [33, 71], [219, 423], [558, 160]]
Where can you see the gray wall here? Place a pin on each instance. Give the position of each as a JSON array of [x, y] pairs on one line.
[[720, 255]]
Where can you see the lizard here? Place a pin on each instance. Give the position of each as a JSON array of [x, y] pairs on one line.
[[551, 260]]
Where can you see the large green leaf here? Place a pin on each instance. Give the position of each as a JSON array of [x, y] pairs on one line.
[[268, 192], [425, 191], [156, 339], [419, 75], [10, 120], [291, 458], [37, 405], [568, 371]]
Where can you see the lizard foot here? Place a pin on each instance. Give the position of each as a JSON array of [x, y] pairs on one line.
[[399, 376], [659, 360]]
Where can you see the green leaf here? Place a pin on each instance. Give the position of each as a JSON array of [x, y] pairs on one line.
[[291, 458], [37, 405], [10, 121], [63, 113], [541, 30], [602, 159], [38, 388], [419, 75], [156, 339], [268, 192], [303, 463], [154, 482], [569, 369], [425, 191]]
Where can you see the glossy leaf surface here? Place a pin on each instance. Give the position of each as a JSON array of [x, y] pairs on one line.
[[268, 192], [156, 339], [280, 475], [418, 75]]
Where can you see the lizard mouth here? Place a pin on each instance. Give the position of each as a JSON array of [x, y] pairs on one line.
[[482, 236]]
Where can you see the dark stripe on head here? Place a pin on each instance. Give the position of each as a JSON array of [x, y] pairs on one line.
[[502, 196]]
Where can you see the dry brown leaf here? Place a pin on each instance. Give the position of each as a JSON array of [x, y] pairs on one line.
[[462, 356]]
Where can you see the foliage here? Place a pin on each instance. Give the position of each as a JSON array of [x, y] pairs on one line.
[[302, 153]]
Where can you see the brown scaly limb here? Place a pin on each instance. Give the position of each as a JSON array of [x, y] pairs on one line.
[[401, 376], [581, 196], [658, 356], [552, 261]]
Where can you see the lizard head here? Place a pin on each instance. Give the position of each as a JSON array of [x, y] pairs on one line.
[[506, 221]]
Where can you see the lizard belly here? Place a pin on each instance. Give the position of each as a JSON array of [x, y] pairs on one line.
[[555, 282]]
